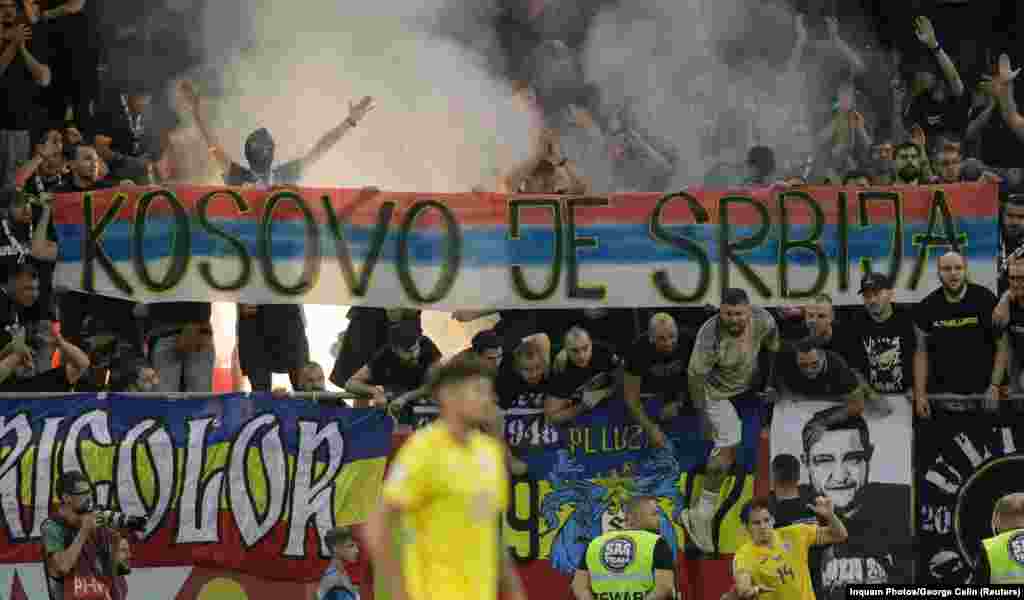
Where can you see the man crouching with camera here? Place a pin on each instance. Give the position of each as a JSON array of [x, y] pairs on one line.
[[86, 557]]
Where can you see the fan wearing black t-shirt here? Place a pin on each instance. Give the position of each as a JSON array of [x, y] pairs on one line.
[[525, 382], [812, 372], [585, 374], [881, 341], [958, 350], [658, 363], [400, 368], [27, 235], [1009, 313], [939, 110]]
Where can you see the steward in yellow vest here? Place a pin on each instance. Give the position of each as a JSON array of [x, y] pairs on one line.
[[628, 564], [1002, 557]]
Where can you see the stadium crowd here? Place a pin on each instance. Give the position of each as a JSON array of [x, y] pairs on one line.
[[891, 122]]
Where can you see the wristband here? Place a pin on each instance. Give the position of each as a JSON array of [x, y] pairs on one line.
[[351, 122], [937, 49]]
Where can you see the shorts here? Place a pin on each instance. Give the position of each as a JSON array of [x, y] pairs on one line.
[[726, 427]]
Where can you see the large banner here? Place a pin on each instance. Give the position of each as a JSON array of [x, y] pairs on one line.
[[581, 475], [964, 463], [447, 251], [236, 483], [864, 467]]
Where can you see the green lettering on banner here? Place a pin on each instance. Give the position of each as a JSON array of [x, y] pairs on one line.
[[205, 270], [359, 287], [518, 278], [729, 251], [92, 250], [452, 255], [896, 254], [811, 243], [951, 239], [843, 232], [311, 263], [660, 233], [576, 290], [181, 243]]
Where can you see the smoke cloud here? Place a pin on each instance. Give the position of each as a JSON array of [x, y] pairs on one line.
[[444, 121], [679, 64]]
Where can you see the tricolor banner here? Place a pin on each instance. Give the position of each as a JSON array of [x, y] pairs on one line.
[[448, 251], [237, 483]]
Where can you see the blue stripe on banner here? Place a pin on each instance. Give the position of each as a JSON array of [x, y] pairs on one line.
[[490, 247], [366, 432]]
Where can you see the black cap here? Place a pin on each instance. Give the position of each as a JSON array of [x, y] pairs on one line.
[[875, 281], [405, 334], [73, 483], [485, 340]]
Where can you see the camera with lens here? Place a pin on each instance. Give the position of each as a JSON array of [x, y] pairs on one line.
[[118, 520]]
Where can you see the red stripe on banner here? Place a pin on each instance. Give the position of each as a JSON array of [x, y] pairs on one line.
[[970, 200]]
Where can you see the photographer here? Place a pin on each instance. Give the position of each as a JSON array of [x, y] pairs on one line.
[[80, 554]]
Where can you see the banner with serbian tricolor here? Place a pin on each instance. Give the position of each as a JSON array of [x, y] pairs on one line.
[[232, 483], [447, 251]]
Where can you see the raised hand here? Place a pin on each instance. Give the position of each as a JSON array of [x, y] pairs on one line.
[[925, 32], [356, 112]]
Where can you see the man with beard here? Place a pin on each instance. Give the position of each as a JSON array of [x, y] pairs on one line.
[[402, 366], [822, 374], [733, 357], [657, 363], [958, 349], [880, 547], [909, 170], [586, 374], [633, 562], [881, 344]]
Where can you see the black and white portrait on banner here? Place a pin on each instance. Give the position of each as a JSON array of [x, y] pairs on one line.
[[864, 465], [963, 464]]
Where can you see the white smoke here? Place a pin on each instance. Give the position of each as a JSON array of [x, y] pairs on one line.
[[443, 123], [665, 58]]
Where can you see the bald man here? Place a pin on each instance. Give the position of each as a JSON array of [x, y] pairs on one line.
[[657, 363], [959, 351], [1002, 556]]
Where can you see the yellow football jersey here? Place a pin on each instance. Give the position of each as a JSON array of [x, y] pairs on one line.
[[453, 497], [782, 566]]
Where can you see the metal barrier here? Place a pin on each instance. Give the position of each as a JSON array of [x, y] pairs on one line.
[[314, 396], [976, 403]]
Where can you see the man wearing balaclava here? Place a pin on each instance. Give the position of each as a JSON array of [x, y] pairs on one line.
[[271, 337], [259, 148]]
